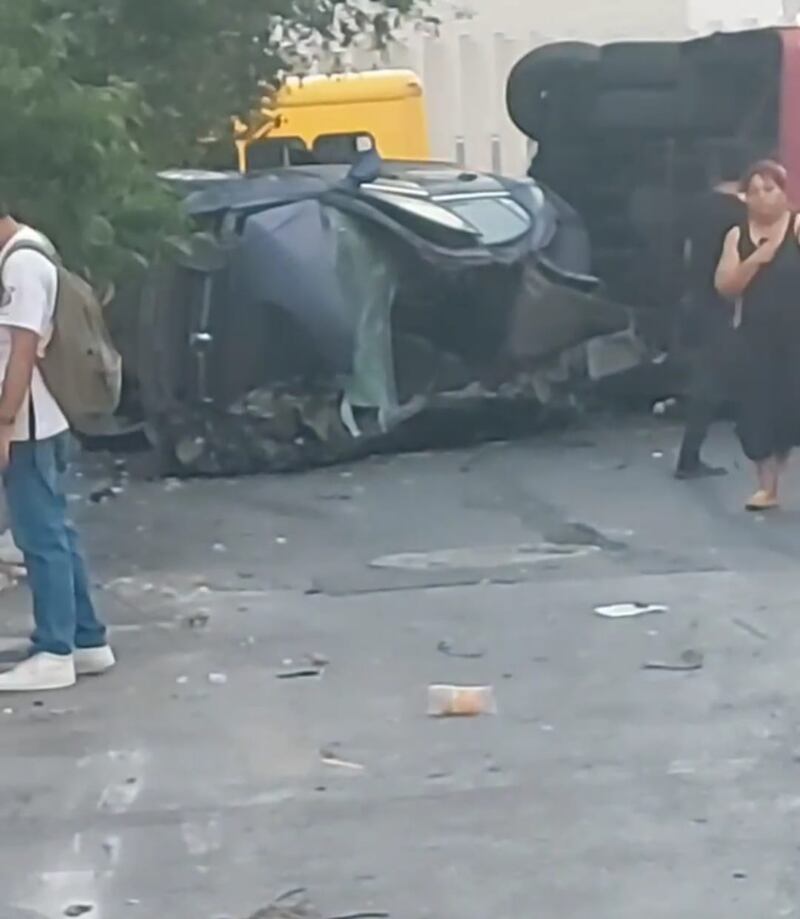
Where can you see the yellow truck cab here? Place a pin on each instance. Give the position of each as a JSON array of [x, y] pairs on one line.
[[329, 119]]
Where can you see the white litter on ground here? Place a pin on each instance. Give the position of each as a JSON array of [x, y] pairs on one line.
[[629, 610]]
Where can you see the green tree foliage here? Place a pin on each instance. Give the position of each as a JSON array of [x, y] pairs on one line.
[[97, 95]]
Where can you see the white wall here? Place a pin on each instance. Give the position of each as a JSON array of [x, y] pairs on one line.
[[465, 63], [593, 20], [711, 15]]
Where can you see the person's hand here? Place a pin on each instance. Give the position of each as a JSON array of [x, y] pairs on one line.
[[766, 251]]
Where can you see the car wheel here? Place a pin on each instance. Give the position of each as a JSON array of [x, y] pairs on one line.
[[160, 351]]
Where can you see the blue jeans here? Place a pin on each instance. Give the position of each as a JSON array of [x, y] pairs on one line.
[[63, 611]]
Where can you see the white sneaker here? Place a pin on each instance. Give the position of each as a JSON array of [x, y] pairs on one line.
[[94, 661], [39, 673], [10, 554]]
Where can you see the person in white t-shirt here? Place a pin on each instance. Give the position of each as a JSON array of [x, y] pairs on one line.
[[68, 640]]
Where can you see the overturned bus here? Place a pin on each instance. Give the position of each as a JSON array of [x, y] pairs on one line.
[[630, 132]]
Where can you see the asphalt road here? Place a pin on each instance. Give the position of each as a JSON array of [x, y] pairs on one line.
[[191, 782]]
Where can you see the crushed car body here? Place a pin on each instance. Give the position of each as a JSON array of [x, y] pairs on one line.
[[320, 313]]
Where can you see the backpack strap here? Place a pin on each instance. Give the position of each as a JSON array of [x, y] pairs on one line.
[[50, 254], [42, 248], [31, 416]]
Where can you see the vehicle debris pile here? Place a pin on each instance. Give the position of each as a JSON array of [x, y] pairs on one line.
[[319, 315]]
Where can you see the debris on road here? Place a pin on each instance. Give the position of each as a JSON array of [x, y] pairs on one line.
[[218, 679], [294, 904], [78, 909], [343, 763], [689, 661], [629, 610], [198, 620], [103, 494], [312, 665], [114, 487], [665, 408], [445, 701], [367, 915], [308, 672], [330, 757], [750, 629], [446, 647]]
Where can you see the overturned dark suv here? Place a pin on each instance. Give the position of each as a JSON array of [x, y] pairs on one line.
[[319, 311]]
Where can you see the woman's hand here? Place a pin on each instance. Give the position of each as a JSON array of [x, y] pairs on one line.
[[733, 275], [766, 251]]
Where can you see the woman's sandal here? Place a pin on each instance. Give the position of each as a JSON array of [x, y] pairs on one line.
[[762, 501]]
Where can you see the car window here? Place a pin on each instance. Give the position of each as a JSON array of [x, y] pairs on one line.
[[425, 210], [498, 220]]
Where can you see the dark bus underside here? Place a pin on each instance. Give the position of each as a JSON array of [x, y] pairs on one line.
[[629, 132]]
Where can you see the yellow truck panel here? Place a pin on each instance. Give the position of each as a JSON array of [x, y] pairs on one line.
[[319, 112]]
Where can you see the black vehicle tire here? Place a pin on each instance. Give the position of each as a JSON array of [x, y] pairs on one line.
[[160, 353], [637, 65], [160, 340], [563, 70]]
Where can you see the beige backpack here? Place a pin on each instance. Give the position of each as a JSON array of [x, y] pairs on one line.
[[81, 366]]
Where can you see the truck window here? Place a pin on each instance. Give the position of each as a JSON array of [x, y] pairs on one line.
[[274, 152], [342, 148]]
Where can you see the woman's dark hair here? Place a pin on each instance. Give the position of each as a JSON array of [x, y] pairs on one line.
[[765, 169]]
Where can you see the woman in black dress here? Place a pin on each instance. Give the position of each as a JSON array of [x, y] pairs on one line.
[[760, 271]]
